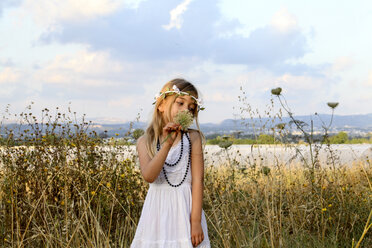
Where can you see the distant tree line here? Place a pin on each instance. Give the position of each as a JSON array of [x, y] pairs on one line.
[[339, 138]]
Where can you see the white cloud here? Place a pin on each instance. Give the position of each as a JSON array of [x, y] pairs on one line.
[[136, 35], [9, 75], [293, 82], [51, 12], [369, 80], [125, 102], [7, 90], [176, 16], [284, 21], [343, 63], [87, 68], [219, 97]]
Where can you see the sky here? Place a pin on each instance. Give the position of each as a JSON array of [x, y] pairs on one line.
[[107, 59]]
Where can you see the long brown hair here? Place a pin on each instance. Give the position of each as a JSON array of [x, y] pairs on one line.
[[155, 128]]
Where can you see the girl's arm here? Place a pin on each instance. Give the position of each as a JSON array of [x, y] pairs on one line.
[[197, 186], [197, 174], [150, 168]]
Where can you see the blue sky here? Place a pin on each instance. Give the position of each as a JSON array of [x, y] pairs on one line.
[[108, 58]]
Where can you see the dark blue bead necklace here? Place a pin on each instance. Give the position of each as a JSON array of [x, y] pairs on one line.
[[178, 160]]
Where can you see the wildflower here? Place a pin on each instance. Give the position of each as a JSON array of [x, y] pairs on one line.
[[62, 202], [116, 134], [276, 91], [93, 193], [330, 205], [332, 104], [330, 218], [324, 209], [122, 175], [108, 185], [184, 118], [225, 144], [280, 126], [158, 95], [175, 88]]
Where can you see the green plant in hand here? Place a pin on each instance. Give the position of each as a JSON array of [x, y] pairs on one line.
[[185, 119]]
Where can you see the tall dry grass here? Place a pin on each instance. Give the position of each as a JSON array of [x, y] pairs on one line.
[[60, 186]]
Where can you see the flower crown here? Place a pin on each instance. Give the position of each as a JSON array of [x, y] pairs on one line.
[[175, 90]]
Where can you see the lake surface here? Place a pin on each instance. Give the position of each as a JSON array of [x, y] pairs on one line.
[[268, 155], [290, 155]]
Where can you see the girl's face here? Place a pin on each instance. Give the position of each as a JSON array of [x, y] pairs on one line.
[[181, 103]]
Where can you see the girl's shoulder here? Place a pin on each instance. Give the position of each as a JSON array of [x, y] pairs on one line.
[[194, 134], [141, 140]]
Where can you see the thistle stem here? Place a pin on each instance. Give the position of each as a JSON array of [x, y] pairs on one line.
[[167, 137]]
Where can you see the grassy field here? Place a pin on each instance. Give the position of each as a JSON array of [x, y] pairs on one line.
[[95, 200], [69, 192]]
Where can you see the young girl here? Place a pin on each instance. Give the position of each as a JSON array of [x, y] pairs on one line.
[[172, 214]]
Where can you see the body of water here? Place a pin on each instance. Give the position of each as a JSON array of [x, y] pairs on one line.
[[268, 155]]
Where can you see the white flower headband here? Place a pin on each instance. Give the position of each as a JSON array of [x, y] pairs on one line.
[[199, 102]]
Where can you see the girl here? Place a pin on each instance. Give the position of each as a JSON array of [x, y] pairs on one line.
[[171, 160]]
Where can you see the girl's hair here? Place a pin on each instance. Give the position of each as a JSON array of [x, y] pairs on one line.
[[156, 125]]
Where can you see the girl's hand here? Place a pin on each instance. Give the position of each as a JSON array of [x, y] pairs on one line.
[[197, 235], [171, 131]]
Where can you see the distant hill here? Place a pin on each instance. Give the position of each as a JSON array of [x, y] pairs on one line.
[[353, 124]]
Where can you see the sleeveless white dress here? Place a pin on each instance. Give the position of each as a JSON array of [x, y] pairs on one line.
[[166, 212]]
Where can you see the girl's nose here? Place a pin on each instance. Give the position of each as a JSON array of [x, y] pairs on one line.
[[186, 108]]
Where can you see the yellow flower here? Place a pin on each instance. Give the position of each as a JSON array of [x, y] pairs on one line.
[[93, 192], [108, 185], [122, 175], [330, 218], [324, 209], [62, 202], [330, 205]]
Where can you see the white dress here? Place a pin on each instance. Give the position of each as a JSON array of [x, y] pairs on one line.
[[166, 212]]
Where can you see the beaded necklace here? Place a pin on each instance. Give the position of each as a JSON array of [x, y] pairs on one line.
[[178, 160]]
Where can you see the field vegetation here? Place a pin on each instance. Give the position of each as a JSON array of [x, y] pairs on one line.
[[61, 186]]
